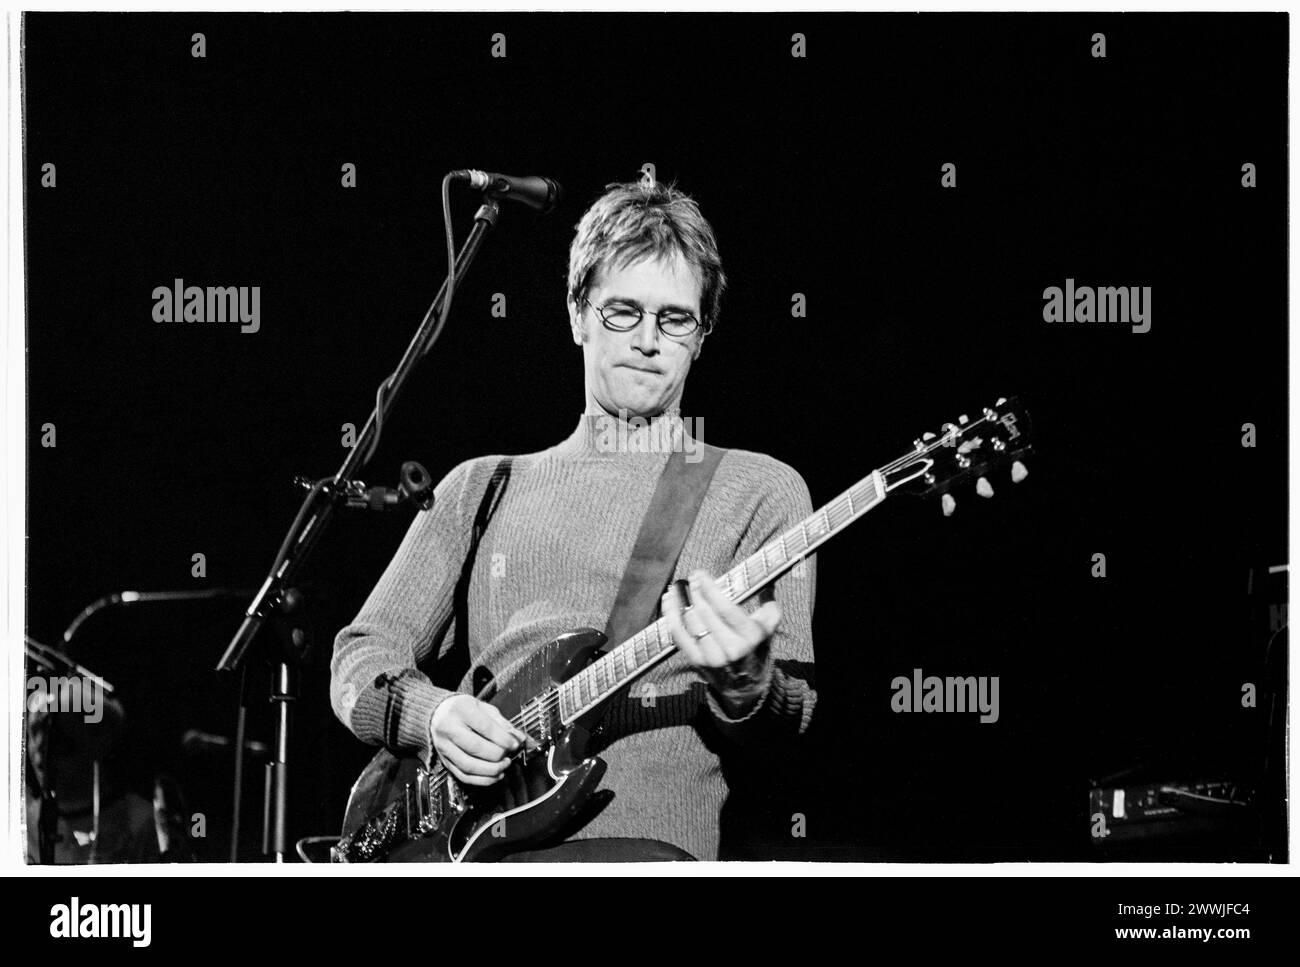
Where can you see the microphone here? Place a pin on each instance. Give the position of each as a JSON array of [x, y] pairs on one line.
[[538, 193]]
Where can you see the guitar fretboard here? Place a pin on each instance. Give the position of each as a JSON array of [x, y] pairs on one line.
[[622, 664]]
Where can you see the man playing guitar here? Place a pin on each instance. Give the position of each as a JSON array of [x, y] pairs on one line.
[[645, 283]]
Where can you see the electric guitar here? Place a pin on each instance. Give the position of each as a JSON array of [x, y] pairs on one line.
[[399, 811]]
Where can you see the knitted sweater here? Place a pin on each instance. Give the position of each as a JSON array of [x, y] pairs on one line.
[[551, 561]]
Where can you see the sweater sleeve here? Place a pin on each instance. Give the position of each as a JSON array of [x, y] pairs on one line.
[[376, 688], [788, 696]]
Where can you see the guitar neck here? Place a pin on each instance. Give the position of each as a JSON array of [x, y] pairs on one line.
[[624, 663]]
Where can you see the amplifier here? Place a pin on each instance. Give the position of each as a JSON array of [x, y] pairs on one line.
[[1166, 809]]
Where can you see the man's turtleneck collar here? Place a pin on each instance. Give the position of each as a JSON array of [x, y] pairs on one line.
[[599, 434]]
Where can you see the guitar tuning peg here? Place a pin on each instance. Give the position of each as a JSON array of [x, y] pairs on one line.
[[949, 504], [1018, 472], [927, 436], [963, 419], [983, 487], [1001, 400]]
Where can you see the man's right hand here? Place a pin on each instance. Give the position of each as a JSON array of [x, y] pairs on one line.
[[473, 739]]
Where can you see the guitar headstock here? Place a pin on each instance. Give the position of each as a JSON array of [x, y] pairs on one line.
[[970, 450]]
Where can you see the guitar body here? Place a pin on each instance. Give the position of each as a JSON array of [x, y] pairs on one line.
[[400, 812]]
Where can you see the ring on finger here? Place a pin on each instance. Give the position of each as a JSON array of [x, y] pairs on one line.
[[697, 635]]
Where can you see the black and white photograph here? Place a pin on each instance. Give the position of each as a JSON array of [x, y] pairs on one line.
[[766, 440]]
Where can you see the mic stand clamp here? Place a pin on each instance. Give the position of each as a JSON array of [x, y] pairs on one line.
[[415, 486]]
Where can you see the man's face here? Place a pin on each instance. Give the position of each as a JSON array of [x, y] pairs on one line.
[[641, 372]]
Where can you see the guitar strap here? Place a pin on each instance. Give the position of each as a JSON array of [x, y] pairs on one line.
[[496, 487], [672, 511]]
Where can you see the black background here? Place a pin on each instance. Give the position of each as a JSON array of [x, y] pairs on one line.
[[821, 176]]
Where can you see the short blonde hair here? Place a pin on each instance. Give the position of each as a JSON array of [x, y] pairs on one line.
[[642, 219]]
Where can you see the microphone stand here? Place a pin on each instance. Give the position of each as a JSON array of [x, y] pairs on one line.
[[278, 594]]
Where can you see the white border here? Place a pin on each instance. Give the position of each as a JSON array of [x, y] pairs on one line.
[[13, 490]]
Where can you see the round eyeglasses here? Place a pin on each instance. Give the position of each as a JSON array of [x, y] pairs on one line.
[[623, 316]]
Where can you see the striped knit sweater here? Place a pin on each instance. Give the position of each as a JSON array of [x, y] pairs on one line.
[[551, 561]]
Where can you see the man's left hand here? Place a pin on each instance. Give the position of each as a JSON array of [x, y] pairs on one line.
[[727, 645]]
